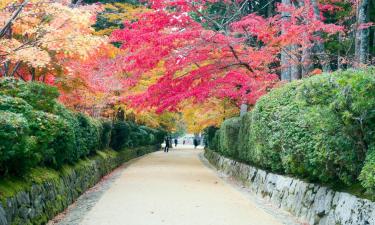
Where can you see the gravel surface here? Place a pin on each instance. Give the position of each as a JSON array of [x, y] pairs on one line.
[[175, 188]]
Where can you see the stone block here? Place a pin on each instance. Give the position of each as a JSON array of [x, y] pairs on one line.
[[315, 204]]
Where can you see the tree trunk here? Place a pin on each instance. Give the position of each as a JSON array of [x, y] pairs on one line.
[[318, 45], [243, 109], [295, 66], [339, 66], [8, 24], [306, 61], [285, 59], [290, 68], [285, 67], [362, 35]]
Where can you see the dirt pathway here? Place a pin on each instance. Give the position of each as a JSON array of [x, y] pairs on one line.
[[173, 188]]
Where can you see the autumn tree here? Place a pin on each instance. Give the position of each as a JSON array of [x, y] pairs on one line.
[[239, 63], [40, 37]]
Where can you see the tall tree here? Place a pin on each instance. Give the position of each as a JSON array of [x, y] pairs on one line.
[[362, 33], [239, 62]]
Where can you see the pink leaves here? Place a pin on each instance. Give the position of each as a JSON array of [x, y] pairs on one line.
[[199, 64]]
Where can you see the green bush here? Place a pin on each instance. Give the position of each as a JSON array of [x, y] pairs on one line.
[[367, 176], [40, 96], [16, 146], [160, 135], [243, 145], [318, 128], [55, 139], [89, 137], [209, 134], [106, 134], [120, 135], [149, 135], [14, 104], [228, 136], [35, 130], [10, 86]]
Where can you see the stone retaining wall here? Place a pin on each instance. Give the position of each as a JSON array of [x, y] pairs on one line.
[[40, 202], [313, 204]]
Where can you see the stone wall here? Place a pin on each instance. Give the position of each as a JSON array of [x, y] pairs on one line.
[[40, 202], [311, 203]]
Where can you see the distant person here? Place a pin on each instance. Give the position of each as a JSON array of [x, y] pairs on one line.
[[167, 144], [195, 143], [183, 142], [175, 142]]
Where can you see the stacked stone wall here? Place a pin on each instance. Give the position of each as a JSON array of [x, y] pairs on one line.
[[311, 203], [40, 202]]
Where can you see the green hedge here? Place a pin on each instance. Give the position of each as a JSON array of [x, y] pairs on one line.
[[128, 134], [228, 136], [35, 130], [320, 128]]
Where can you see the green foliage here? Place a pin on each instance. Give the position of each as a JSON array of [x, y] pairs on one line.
[[209, 134], [367, 176], [14, 104], [35, 130], [38, 95], [89, 133], [120, 135], [244, 137], [228, 136], [54, 140], [105, 134], [15, 144], [318, 128], [128, 134]]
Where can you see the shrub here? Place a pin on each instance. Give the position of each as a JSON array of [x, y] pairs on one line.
[[120, 135], [228, 136], [160, 135], [318, 128], [16, 146], [150, 135], [243, 145], [55, 140], [35, 130], [266, 128], [72, 122], [105, 134], [14, 104], [367, 176], [10, 86], [40, 96], [209, 134], [89, 137]]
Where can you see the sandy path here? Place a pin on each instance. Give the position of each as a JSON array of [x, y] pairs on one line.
[[174, 189]]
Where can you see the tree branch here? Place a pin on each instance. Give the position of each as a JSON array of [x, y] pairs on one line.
[[12, 18]]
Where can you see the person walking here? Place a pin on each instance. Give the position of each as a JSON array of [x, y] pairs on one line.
[[195, 143], [175, 142], [167, 144]]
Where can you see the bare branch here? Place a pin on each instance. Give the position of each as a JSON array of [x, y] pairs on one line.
[[12, 18]]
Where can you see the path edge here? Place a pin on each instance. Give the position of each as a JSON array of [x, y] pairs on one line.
[[38, 203], [312, 203]]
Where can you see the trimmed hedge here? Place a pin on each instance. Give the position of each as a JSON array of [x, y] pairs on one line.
[[35, 130], [320, 128]]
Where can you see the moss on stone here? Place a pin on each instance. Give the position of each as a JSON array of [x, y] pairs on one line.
[[11, 186], [88, 171]]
